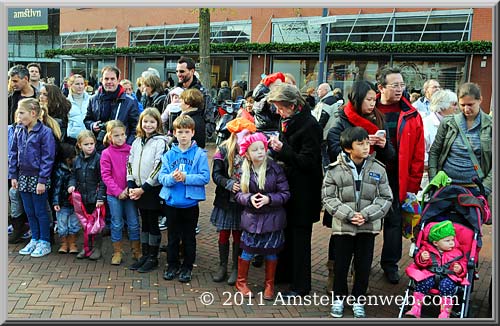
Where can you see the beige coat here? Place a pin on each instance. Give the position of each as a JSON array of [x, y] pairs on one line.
[[340, 199]]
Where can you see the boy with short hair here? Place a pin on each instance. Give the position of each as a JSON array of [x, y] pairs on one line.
[[183, 175], [356, 193]]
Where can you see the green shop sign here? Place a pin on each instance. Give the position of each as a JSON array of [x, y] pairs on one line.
[[28, 19]]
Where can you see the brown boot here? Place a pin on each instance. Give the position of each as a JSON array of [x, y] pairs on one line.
[[73, 249], [136, 249], [269, 283], [329, 283], [241, 282], [64, 245], [117, 253]]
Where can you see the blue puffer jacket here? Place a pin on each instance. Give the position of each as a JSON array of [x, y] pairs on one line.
[[125, 109], [33, 153]]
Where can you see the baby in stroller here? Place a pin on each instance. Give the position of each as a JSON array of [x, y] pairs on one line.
[[439, 262]]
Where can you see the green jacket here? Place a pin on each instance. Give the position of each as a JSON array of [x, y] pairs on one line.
[[446, 135]]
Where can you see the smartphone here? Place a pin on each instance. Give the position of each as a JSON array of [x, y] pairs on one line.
[[380, 133]]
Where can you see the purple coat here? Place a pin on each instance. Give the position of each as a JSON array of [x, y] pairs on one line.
[[32, 154], [271, 217]]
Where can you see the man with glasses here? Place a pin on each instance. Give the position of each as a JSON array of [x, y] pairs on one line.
[[431, 86], [405, 171], [20, 88]]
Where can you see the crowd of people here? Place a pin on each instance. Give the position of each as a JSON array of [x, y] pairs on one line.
[[140, 156]]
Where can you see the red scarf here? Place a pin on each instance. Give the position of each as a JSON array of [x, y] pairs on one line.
[[359, 121]]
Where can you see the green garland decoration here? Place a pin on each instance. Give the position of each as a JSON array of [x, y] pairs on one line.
[[458, 47]]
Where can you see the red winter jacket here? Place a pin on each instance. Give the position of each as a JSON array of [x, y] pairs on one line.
[[411, 148]]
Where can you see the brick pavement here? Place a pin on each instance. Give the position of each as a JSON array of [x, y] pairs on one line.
[[62, 287]]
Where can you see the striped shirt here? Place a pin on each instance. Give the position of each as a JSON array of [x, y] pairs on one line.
[[458, 165]]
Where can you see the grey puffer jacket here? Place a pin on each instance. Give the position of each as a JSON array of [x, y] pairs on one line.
[[340, 199]]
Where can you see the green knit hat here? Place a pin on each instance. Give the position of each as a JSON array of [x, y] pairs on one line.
[[441, 230]]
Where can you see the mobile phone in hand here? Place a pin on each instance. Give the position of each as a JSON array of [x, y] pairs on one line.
[[380, 133]]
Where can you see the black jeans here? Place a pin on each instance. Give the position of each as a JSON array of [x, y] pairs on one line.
[[361, 247], [393, 236], [181, 224]]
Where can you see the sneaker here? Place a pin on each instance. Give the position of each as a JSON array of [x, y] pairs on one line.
[[358, 310], [185, 275], [43, 248], [337, 310], [30, 247], [10, 229], [27, 234], [171, 273], [197, 230], [162, 224]]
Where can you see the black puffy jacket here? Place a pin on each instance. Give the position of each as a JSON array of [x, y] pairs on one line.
[[266, 117], [86, 177]]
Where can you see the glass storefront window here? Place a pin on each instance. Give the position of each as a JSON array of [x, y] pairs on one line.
[[141, 64], [341, 73], [305, 71], [449, 74], [295, 31]]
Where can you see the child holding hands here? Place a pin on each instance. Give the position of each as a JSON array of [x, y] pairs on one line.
[[264, 191], [183, 175], [356, 193], [144, 166]]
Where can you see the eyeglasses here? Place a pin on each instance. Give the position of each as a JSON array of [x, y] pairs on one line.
[[396, 85]]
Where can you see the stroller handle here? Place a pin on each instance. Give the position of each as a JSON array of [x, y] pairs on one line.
[[480, 185]]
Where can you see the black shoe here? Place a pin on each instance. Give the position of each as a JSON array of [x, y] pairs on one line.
[[171, 273], [163, 248], [392, 276], [185, 275], [258, 260], [141, 261], [150, 265]]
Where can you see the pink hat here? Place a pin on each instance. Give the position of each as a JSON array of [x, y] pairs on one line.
[[249, 140]]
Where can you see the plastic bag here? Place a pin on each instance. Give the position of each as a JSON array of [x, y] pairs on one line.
[[410, 211]]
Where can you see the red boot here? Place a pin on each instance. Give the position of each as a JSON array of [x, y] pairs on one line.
[[241, 281], [269, 283], [416, 309]]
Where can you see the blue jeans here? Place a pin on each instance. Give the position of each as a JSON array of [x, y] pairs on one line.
[[120, 209], [67, 222], [35, 207], [16, 203]]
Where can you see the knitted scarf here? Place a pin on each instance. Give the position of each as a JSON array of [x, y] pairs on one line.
[[358, 120]]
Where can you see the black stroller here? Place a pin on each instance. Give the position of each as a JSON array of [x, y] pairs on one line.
[[466, 211]]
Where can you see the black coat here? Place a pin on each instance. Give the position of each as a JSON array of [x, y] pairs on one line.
[[86, 177], [60, 195], [224, 198], [266, 117], [342, 123], [301, 156]]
